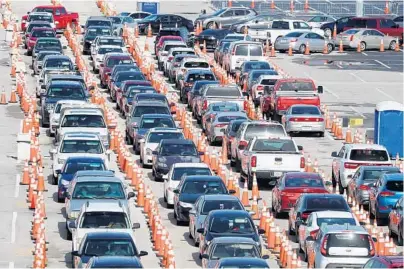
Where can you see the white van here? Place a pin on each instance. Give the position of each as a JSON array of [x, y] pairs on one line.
[[240, 52]]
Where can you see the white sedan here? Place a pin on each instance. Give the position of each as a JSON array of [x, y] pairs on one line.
[[98, 55]]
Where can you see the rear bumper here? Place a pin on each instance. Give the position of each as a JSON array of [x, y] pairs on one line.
[[305, 127]]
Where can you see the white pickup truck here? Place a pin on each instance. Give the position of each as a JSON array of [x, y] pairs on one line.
[[280, 28], [270, 158]]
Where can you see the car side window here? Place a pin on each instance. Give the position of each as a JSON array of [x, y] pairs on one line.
[[376, 33], [386, 23], [228, 13], [371, 23], [164, 19], [239, 12]]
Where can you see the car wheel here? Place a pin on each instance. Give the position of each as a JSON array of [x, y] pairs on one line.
[[321, 134], [302, 48], [210, 25], [60, 200], [68, 233], [392, 45], [291, 232], [379, 221], [165, 198], [297, 235], [341, 189], [54, 180], [330, 48], [362, 46], [334, 182], [328, 32], [282, 51]]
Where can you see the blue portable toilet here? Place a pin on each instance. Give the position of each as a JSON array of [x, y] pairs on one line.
[[389, 118], [151, 6]]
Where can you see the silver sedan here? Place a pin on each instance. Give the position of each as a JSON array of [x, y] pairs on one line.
[[367, 38], [216, 127], [304, 118], [299, 40]]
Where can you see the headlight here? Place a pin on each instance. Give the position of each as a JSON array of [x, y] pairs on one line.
[[65, 182], [74, 214], [186, 205], [149, 152], [61, 161]]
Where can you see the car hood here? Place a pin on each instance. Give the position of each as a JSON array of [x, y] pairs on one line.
[[170, 160], [189, 198], [67, 177]]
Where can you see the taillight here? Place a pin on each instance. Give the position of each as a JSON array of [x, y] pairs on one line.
[[307, 119], [302, 162], [324, 245], [205, 104], [260, 88], [242, 145], [293, 40], [386, 193], [351, 165], [351, 39], [364, 187], [371, 246], [221, 125], [170, 58], [245, 105], [254, 161], [305, 215], [314, 233]]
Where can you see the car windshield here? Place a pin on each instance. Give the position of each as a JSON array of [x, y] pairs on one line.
[[219, 205], [223, 92], [201, 76], [231, 224], [394, 185], [372, 175], [109, 247], [326, 203], [43, 33], [40, 18], [134, 90], [111, 42], [42, 55], [90, 121], [350, 32], [150, 18], [158, 98], [229, 107], [65, 91], [149, 123], [257, 73], [59, 64], [268, 82], [156, 137], [263, 130], [256, 65], [98, 23], [106, 50], [170, 46], [43, 44], [115, 61], [32, 26], [142, 110], [369, 155], [98, 190], [197, 65], [296, 182], [294, 34], [204, 187], [306, 110], [129, 76], [234, 250], [179, 172], [58, 107], [97, 31], [198, 85], [178, 149], [81, 146], [72, 167], [104, 220], [230, 118], [217, 13], [336, 221], [296, 86]]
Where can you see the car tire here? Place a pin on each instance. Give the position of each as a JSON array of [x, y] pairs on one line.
[[232, 163], [363, 46], [334, 182], [282, 51], [61, 200], [249, 182], [321, 134], [210, 25], [54, 180], [392, 45], [330, 48], [341, 189], [328, 32], [290, 230], [296, 240], [302, 48], [400, 237], [68, 233]]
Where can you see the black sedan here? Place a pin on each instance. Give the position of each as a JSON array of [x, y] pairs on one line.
[[157, 21], [190, 189], [212, 38]]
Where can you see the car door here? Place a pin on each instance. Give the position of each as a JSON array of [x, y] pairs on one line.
[[353, 183], [175, 21], [304, 230], [378, 37], [239, 14], [394, 216], [194, 216], [373, 194], [226, 18]]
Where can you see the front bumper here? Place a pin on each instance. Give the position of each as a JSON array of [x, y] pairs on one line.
[[170, 197]]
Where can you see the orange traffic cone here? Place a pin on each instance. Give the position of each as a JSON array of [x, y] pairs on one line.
[[254, 208], [397, 47], [306, 5], [3, 100], [381, 45], [13, 97], [290, 51], [272, 4], [307, 50], [244, 199], [149, 31], [25, 175], [341, 47], [348, 137], [358, 49], [140, 195], [272, 51], [255, 191], [325, 49], [334, 32]]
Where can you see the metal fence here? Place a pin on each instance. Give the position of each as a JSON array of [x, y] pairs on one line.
[[334, 8]]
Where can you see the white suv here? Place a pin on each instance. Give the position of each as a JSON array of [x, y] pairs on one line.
[[101, 216], [77, 144], [351, 156], [240, 52], [54, 116], [341, 246]]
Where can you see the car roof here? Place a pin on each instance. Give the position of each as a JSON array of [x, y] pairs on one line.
[[381, 168], [398, 176], [176, 141], [232, 113], [111, 261], [97, 18], [220, 197], [233, 240], [99, 179], [150, 103], [41, 13], [119, 54], [103, 206], [190, 165], [150, 95], [80, 136], [39, 22], [394, 260], [229, 212], [333, 214], [108, 46], [109, 235], [202, 177], [95, 173]]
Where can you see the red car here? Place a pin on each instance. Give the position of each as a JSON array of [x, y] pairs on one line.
[[289, 188], [385, 262], [110, 60], [61, 17], [36, 33], [165, 38], [385, 25]]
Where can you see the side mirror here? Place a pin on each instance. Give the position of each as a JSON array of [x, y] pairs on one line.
[[176, 191], [349, 176], [265, 257], [43, 87], [165, 177], [245, 94], [205, 256], [72, 225], [102, 65], [154, 152], [328, 183], [40, 80], [300, 148], [261, 231], [334, 154], [143, 253], [131, 194], [91, 88], [232, 191], [39, 67], [67, 195], [320, 89], [200, 230], [75, 253], [136, 225], [64, 47], [52, 151]]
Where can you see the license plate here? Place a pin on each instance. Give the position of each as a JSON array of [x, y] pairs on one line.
[[278, 163], [306, 128], [278, 174], [283, 41]]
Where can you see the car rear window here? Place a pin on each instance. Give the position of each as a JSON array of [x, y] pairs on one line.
[[230, 107], [372, 175], [301, 110], [351, 32], [263, 130], [223, 92], [296, 86], [183, 52], [255, 50], [196, 65], [369, 155], [111, 41], [394, 185], [168, 47], [114, 61], [294, 34], [202, 76], [268, 82], [220, 205], [157, 137], [179, 172], [157, 122], [242, 50], [204, 187], [336, 221], [236, 126], [348, 240], [157, 98], [43, 33], [274, 145], [326, 203], [230, 118], [141, 110], [295, 182]]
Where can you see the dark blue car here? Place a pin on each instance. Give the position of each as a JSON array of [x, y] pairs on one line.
[[61, 90], [105, 244], [147, 122], [171, 151], [71, 166], [190, 189], [114, 262], [242, 263]]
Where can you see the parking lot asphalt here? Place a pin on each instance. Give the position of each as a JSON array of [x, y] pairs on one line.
[[349, 91]]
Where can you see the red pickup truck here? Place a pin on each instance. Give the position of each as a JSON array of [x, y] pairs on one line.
[[384, 25], [61, 17], [292, 91]]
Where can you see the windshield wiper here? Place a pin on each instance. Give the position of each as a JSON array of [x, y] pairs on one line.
[[106, 197]]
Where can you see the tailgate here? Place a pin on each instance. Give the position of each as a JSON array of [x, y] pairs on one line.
[[238, 101], [278, 162], [285, 102]]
